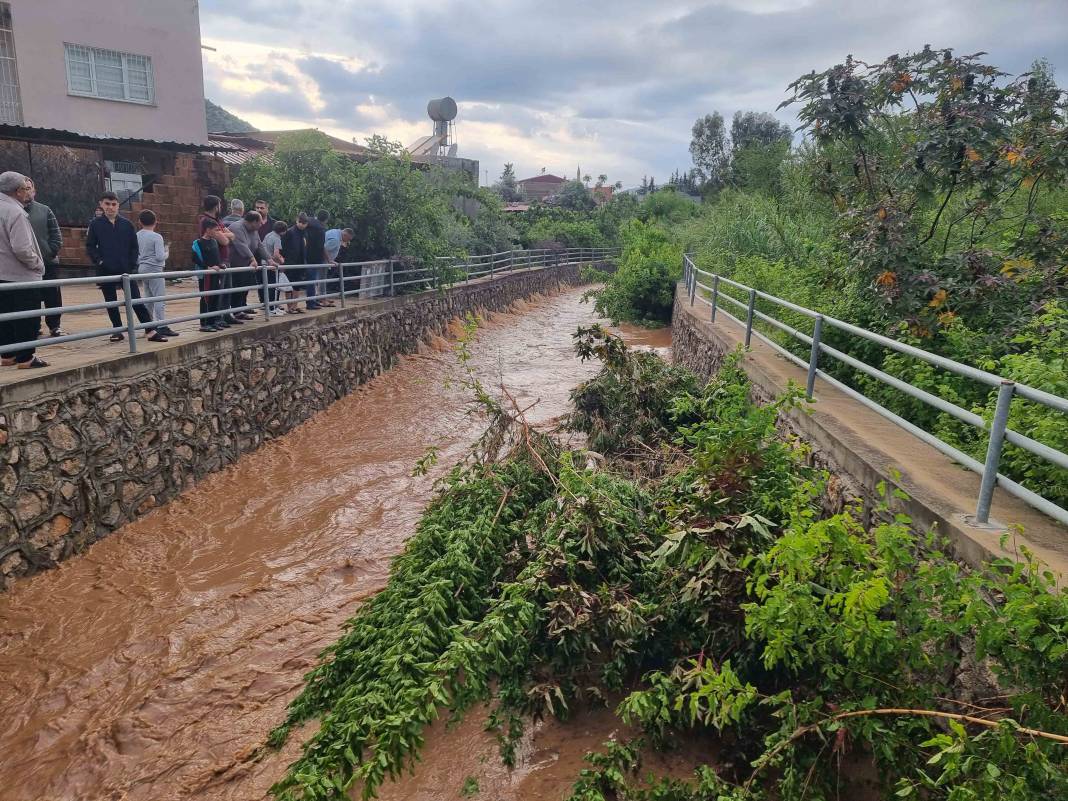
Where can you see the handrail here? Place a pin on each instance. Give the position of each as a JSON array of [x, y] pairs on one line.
[[383, 281], [998, 430]]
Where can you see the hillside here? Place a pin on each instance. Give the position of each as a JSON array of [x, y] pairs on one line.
[[219, 119]]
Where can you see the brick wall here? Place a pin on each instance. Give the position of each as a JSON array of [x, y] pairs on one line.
[[175, 198]]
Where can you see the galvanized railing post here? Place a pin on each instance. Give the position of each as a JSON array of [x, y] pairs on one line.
[[341, 281], [391, 277], [749, 317], [693, 286], [993, 452], [814, 356], [131, 331], [266, 279], [715, 295]]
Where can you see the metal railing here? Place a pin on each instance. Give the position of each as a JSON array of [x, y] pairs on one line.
[[997, 428], [348, 280]]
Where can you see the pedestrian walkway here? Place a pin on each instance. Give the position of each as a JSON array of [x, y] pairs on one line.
[[67, 355]]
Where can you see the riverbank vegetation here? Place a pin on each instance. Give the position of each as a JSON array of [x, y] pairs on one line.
[[678, 570], [927, 201]]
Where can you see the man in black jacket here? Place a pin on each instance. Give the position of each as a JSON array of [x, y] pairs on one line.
[[295, 253], [50, 239], [315, 236], [111, 245]]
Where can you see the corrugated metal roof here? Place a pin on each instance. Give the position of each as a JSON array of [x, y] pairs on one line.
[[31, 132], [233, 153]]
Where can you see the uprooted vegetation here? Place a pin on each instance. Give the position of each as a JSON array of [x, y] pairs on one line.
[[681, 564]]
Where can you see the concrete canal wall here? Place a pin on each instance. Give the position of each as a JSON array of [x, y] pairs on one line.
[[88, 449]]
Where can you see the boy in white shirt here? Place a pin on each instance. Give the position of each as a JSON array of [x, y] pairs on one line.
[[152, 258]]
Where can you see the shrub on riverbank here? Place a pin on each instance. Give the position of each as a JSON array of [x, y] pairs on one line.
[[685, 566], [642, 288], [927, 204]]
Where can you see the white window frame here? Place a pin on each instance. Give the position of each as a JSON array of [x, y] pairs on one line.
[[10, 93], [126, 68]]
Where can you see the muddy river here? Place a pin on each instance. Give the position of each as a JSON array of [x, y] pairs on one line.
[[153, 666]]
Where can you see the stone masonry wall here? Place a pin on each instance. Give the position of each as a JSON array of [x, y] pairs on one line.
[[84, 451]]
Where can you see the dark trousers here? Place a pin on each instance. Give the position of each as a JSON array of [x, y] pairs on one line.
[[109, 292], [24, 329], [241, 282], [212, 303], [52, 297], [272, 292]]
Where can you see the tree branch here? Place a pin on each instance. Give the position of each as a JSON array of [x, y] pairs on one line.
[[927, 713], [945, 202]]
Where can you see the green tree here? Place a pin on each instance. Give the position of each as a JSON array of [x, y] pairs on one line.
[[757, 128], [709, 148], [506, 185], [576, 196]]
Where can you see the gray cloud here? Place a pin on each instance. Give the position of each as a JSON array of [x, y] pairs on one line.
[[623, 79]]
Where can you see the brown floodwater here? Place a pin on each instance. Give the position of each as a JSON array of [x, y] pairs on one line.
[[153, 666]]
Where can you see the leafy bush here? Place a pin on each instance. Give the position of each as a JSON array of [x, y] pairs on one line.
[[697, 577], [642, 288], [394, 208]]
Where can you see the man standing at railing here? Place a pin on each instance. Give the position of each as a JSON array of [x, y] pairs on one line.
[[50, 240], [315, 236], [337, 240], [246, 250], [20, 261], [111, 245], [295, 253]]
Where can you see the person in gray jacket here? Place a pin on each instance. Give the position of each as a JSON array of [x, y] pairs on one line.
[[49, 240], [20, 261], [245, 251]]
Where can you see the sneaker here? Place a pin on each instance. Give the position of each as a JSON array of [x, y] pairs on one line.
[[313, 305], [277, 313], [156, 336], [208, 329], [167, 331], [221, 324], [117, 337], [58, 332], [245, 316], [236, 321], [33, 363]]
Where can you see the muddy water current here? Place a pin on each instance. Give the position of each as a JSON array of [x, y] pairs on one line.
[[153, 666]]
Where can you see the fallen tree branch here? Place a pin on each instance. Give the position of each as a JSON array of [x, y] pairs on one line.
[[926, 713]]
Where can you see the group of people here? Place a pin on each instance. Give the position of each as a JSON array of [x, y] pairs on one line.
[[300, 257], [254, 238]]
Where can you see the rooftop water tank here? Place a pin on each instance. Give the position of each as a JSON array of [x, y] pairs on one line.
[[442, 110]]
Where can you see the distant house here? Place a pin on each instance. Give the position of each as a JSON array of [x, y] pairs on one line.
[[540, 186], [602, 194]]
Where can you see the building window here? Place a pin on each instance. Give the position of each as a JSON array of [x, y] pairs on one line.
[[109, 74], [10, 99]]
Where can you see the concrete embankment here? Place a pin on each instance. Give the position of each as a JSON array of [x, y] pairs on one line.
[[862, 450], [88, 449]]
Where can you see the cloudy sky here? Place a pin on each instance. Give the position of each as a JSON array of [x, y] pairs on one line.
[[611, 85]]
